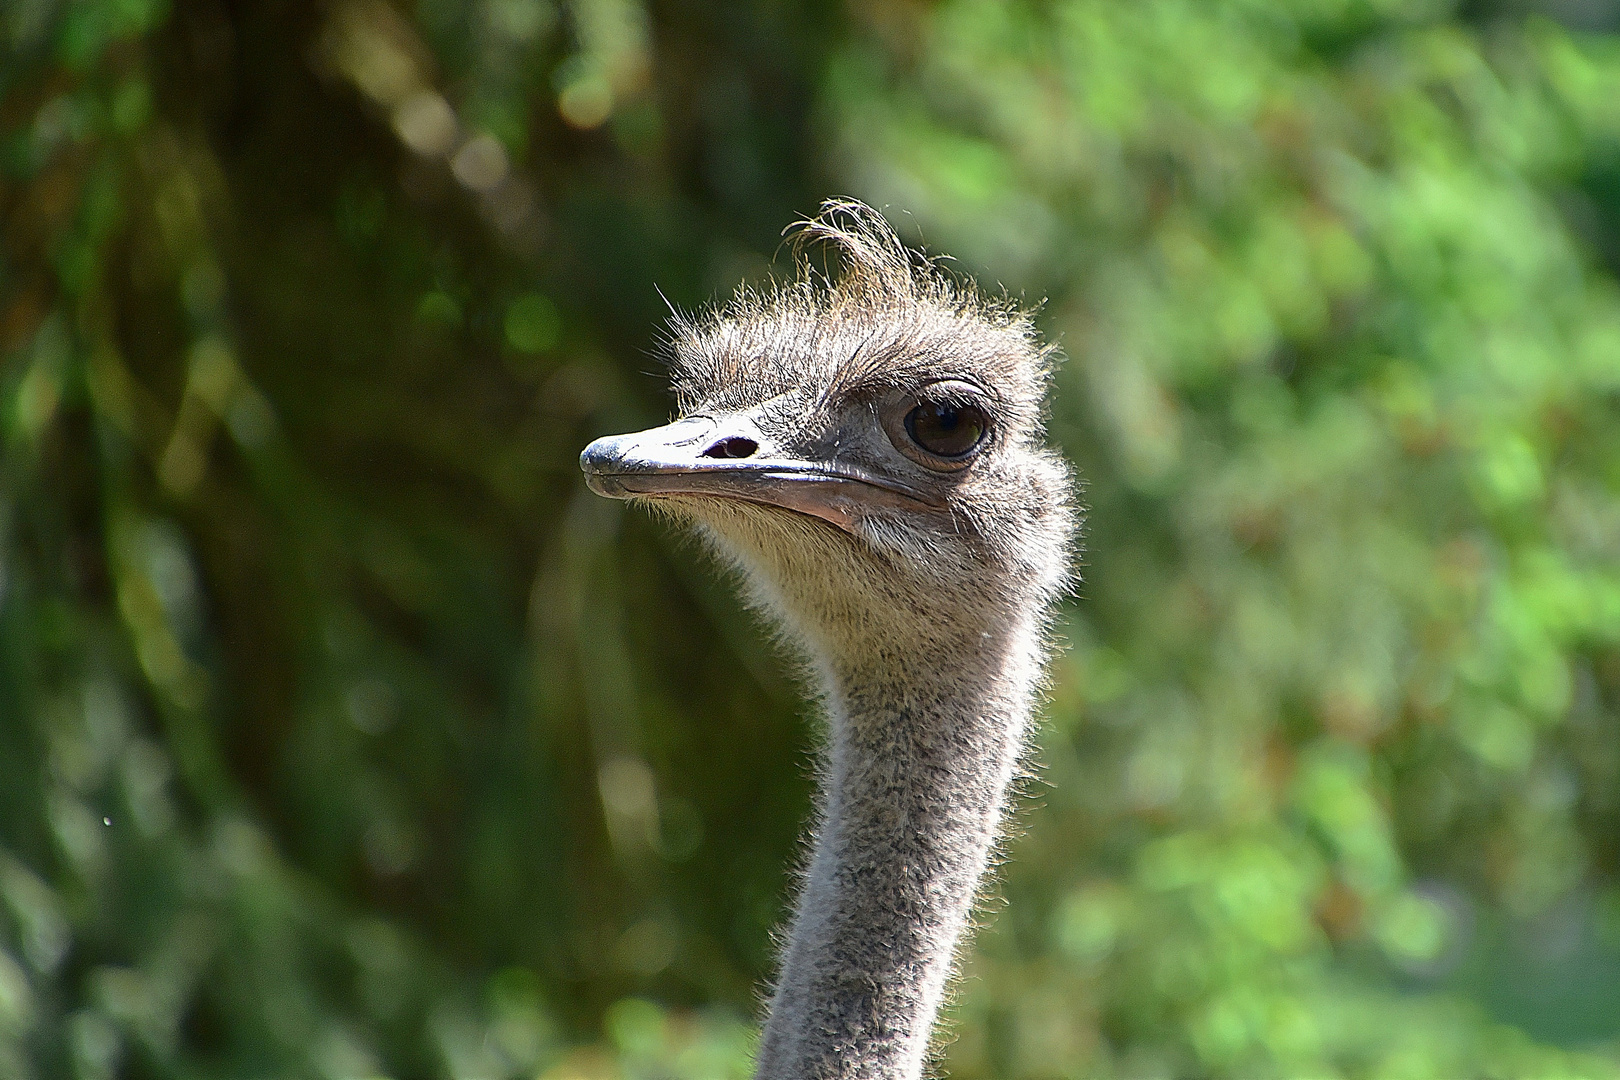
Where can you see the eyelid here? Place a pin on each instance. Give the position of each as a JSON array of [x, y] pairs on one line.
[[956, 392], [955, 401]]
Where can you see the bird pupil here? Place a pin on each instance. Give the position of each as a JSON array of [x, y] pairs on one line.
[[946, 430]]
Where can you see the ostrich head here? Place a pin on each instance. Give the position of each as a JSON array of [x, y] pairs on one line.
[[868, 448]]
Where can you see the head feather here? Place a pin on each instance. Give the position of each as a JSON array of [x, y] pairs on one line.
[[886, 315]]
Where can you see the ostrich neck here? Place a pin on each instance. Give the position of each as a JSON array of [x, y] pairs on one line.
[[923, 745]]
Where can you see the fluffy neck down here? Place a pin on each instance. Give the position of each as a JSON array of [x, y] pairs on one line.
[[922, 748]]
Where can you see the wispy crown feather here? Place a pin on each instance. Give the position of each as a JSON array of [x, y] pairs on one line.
[[886, 315]]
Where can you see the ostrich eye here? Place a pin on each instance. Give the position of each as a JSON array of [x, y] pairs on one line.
[[947, 430]]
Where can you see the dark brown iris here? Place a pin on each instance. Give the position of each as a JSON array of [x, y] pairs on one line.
[[947, 430]]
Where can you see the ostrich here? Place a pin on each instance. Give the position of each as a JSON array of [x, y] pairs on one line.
[[867, 449]]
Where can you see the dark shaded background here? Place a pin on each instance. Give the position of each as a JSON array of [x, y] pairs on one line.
[[343, 734]]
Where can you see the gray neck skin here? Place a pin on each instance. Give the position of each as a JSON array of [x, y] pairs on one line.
[[921, 752]]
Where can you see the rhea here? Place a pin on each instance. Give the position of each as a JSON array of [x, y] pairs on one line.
[[865, 444]]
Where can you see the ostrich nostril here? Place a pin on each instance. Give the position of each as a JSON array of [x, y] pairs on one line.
[[733, 447]]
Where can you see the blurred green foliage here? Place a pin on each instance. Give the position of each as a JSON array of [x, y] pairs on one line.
[[342, 734]]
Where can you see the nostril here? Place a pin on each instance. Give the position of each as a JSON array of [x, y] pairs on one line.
[[734, 447]]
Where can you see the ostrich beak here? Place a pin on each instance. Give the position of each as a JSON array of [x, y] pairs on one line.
[[731, 458]]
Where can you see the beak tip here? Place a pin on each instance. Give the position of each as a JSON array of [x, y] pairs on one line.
[[598, 462], [600, 455]]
